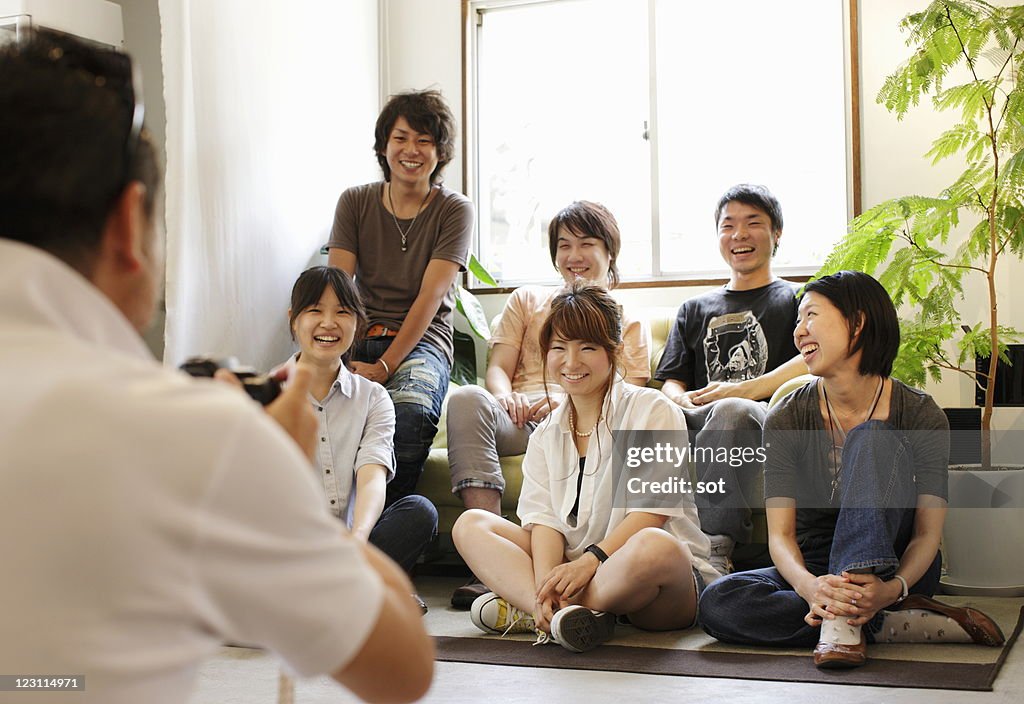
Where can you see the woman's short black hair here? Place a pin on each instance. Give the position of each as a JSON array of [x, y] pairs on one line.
[[310, 286], [866, 305], [427, 112]]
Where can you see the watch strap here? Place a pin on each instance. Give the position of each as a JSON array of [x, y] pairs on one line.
[[597, 552]]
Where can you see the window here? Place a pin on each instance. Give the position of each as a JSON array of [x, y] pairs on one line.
[[655, 108]]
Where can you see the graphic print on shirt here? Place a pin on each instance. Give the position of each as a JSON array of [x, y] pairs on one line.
[[735, 348]]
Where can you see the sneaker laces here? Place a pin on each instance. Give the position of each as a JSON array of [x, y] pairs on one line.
[[543, 638], [514, 616]]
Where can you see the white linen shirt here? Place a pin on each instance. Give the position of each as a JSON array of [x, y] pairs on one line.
[[551, 466], [146, 517], [356, 427]]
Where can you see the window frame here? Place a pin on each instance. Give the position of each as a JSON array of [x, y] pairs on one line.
[[471, 21]]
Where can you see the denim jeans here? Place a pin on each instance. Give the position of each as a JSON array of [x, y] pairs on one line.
[[417, 388], [875, 525], [728, 423], [404, 529]]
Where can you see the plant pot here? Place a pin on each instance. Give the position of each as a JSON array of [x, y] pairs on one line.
[[983, 537]]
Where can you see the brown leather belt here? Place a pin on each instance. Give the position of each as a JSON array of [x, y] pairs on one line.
[[379, 330]]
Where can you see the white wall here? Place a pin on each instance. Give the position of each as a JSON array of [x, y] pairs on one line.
[[425, 49], [141, 20]]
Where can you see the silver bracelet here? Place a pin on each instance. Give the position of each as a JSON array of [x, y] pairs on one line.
[[906, 589], [385, 365]]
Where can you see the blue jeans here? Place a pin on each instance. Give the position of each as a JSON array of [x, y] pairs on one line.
[[417, 389], [728, 423], [404, 529], [875, 525]]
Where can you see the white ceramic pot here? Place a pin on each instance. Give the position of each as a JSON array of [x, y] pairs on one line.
[[983, 543]]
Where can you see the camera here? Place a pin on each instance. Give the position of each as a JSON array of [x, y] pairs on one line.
[[260, 387]]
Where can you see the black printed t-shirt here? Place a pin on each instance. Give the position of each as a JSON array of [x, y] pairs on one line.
[[734, 336]]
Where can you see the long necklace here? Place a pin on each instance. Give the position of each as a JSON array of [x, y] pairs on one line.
[[394, 217], [572, 424], [835, 425]]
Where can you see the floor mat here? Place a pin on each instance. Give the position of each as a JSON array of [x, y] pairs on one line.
[[957, 667]]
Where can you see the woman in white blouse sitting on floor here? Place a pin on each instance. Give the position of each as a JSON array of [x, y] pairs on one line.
[[587, 550]]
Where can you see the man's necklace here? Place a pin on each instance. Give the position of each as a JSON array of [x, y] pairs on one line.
[[394, 217], [834, 425]]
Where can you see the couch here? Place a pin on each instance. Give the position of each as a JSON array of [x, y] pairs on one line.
[[435, 484]]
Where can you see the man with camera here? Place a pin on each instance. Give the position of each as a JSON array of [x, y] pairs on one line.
[[146, 517]]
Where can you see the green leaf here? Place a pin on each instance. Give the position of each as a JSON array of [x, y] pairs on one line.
[[469, 306], [950, 142], [464, 359], [1011, 177], [478, 270]]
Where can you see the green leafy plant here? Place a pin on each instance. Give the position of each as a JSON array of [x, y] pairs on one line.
[[467, 303], [464, 369], [967, 58]]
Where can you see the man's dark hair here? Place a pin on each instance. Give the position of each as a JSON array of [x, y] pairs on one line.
[[427, 112], [753, 195], [586, 219], [66, 113], [865, 304], [310, 286]]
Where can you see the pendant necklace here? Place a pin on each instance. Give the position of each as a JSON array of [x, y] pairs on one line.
[[834, 425], [394, 217]]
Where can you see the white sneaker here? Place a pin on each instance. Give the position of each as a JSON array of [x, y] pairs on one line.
[[579, 629], [721, 553], [492, 614]]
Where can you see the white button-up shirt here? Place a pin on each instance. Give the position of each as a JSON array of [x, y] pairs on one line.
[[356, 427], [145, 516], [552, 462]]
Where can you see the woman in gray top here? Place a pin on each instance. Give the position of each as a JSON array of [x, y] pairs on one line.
[[855, 490]]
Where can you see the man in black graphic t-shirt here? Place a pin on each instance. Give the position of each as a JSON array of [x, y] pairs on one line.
[[727, 353]]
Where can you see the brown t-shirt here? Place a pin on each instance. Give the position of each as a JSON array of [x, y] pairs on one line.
[[388, 278]]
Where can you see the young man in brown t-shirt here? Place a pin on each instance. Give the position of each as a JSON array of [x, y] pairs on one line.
[[405, 239]]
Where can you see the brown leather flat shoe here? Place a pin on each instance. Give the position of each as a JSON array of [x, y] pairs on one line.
[[838, 656], [464, 596], [979, 627]]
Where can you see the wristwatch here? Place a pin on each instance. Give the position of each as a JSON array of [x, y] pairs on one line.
[[597, 552]]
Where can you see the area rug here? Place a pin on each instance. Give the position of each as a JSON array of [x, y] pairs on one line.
[[693, 654]]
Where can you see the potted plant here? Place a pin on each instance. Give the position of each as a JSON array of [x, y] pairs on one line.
[[968, 57]]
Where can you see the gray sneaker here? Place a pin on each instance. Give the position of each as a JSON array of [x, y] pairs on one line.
[[721, 553], [579, 629]]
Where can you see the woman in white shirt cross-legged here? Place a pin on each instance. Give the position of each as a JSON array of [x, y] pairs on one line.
[[587, 549]]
